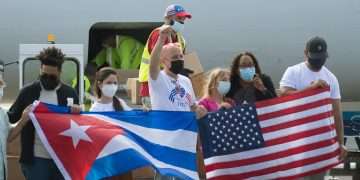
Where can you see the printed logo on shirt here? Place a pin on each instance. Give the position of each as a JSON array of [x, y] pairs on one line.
[[180, 96]]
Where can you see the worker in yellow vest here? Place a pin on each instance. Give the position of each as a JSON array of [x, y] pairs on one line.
[[120, 52], [175, 15]]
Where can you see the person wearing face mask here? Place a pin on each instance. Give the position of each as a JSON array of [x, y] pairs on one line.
[[312, 74], [35, 160], [175, 16], [169, 90], [106, 86], [217, 86], [8, 132], [248, 84]]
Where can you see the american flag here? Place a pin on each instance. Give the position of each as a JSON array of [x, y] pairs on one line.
[[282, 138]]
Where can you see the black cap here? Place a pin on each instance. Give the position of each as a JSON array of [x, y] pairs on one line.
[[317, 48]]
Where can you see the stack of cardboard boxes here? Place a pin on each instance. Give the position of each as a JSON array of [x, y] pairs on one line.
[[198, 78], [13, 153]]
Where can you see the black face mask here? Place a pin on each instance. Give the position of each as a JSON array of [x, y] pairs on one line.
[[177, 66], [49, 82], [317, 64]]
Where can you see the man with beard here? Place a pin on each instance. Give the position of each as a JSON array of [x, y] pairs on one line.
[[36, 163], [313, 74]]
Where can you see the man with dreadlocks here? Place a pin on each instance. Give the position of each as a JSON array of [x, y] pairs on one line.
[[36, 162]]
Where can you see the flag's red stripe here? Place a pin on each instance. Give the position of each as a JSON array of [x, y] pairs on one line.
[[279, 154], [294, 109], [315, 171], [297, 122], [295, 96], [283, 167], [299, 135]]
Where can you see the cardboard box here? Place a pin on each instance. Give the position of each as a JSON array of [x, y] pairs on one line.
[[144, 173], [14, 170], [133, 86], [123, 75], [13, 148], [199, 82], [192, 62]]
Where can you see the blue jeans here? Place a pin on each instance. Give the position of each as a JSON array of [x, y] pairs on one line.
[[41, 169], [158, 176]]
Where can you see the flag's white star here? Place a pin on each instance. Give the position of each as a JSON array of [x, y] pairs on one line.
[[77, 133]]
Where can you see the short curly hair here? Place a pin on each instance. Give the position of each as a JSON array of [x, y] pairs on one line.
[[51, 56]]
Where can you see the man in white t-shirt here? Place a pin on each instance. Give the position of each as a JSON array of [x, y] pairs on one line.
[[313, 74], [169, 90]]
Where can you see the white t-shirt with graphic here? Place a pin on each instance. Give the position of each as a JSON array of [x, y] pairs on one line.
[[169, 94], [300, 76]]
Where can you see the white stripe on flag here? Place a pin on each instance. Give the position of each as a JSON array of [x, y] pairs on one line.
[[272, 163], [120, 143], [296, 102], [186, 142], [299, 170], [271, 149], [294, 116], [296, 129]]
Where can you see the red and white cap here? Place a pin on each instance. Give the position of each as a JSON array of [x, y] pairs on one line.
[[177, 10]]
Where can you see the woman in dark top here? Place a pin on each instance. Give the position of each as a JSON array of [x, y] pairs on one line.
[[248, 84]]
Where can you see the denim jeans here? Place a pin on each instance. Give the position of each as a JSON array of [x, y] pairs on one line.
[[41, 169], [158, 176]]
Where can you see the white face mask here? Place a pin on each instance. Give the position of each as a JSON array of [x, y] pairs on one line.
[[178, 27], [109, 90], [223, 87]]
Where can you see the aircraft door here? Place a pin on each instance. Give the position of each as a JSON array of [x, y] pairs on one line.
[[72, 69]]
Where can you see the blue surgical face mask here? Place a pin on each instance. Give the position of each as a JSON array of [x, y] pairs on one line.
[[247, 74], [178, 27], [223, 87]]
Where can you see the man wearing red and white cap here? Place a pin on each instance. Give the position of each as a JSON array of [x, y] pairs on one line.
[[175, 16]]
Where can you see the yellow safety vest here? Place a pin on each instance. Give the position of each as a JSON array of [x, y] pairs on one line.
[[127, 55], [86, 83], [145, 61]]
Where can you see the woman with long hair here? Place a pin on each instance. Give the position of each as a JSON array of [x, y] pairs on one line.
[[106, 85], [248, 83], [218, 84]]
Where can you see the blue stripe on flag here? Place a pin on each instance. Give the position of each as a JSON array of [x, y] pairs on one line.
[[57, 109], [175, 157], [166, 120], [151, 119], [116, 164]]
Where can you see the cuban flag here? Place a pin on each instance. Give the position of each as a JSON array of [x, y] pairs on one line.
[[94, 145]]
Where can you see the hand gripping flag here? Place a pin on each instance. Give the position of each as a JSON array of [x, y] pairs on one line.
[[282, 138], [102, 144]]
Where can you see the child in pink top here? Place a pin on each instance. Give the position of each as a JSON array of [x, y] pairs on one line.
[[209, 104], [217, 86]]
